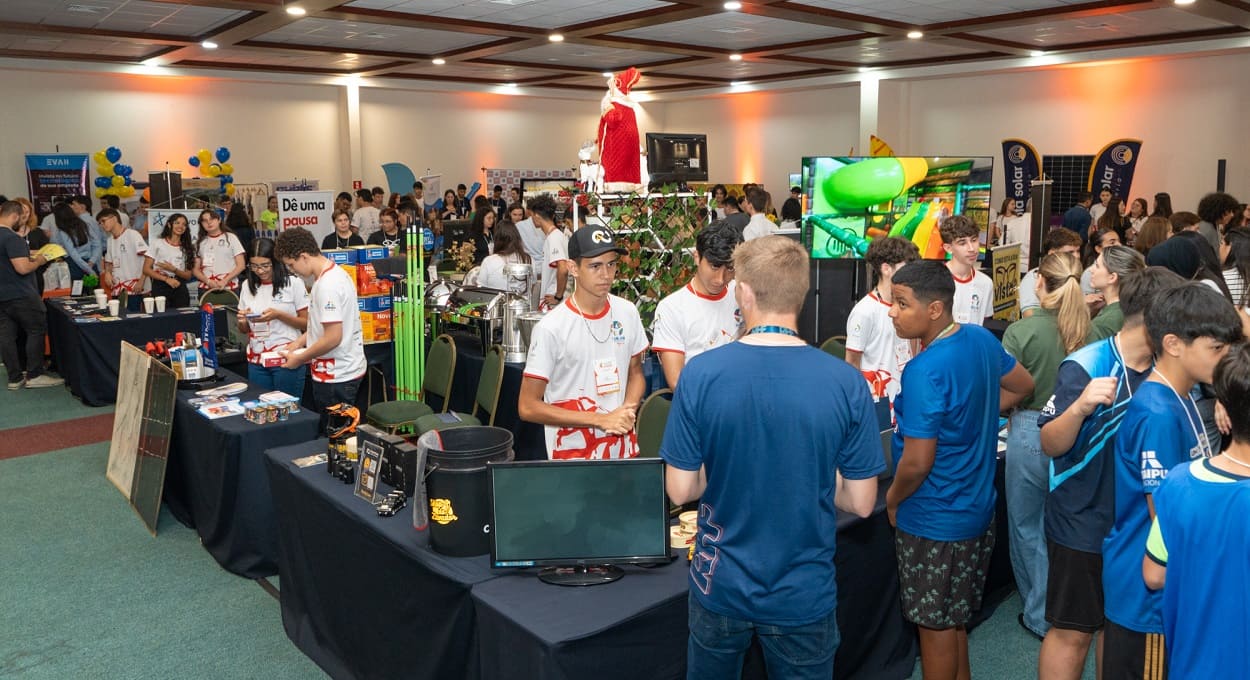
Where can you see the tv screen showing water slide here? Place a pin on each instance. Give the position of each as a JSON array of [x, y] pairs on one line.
[[849, 200]]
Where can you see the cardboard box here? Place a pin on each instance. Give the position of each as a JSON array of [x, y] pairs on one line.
[[365, 254], [344, 256], [271, 359], [374, 303], [375, 326], [366, 280], [351, 271]]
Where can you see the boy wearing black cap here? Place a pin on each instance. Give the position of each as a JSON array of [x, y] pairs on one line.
[[583, 378]]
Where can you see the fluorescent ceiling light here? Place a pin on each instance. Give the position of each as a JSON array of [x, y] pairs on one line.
[[555, 37], [735, 57], [733, 6], [1184, 2], [915, 35], [439, 61], [208, 45], [296, 11]]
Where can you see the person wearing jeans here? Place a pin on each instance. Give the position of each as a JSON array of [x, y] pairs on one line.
[[21, 309], [273, 311]]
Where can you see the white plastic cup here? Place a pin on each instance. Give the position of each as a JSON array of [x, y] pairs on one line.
[[101, 298], [160, 303], [115, 307], [149, 305]]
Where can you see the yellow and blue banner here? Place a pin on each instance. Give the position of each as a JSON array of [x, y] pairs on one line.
[[1021, 165], [1113, 168]]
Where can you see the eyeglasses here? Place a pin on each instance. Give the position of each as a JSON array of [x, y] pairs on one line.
[[260, 267]]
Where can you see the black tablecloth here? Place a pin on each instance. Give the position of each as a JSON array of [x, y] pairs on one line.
[[362, 595], [88, 353], [216, 481], [528, 440]]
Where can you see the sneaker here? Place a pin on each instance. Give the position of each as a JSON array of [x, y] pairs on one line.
[[44, 380], [21, 380]]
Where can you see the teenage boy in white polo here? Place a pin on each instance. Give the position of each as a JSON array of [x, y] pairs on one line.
[[583, 378], [704, 313], [123, 255]]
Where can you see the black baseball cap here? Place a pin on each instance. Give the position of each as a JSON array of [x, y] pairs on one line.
[[593, 241]]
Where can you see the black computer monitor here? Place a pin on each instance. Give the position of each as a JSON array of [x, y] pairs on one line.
[[578, 518], [676, 158]]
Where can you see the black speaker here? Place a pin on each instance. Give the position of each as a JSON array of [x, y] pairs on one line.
[[166, 190], [835, 287]]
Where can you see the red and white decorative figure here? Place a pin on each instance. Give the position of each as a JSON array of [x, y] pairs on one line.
[[620, 151]]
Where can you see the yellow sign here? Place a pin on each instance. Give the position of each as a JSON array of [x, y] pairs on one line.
[[878, 147], [441, 511], [1006, 261]]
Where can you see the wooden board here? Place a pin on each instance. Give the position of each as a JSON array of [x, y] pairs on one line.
[[142, 423], [132, 378]]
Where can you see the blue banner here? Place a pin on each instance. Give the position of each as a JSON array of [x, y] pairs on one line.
[[208, 335], [50, 176], [1113, 168], [1021, 165]]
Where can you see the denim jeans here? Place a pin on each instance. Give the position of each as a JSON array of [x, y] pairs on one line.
[[1028, 472], [22, 316], [286, 380], [718, 645], [325, 395]]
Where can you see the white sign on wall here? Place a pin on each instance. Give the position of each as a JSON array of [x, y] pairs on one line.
[[308, 209], [157, 219]]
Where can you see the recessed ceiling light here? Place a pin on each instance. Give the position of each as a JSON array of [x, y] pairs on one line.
[[735, 83], [208, 45], [733, 6], [153, 62], [735, 57], [555, 37], [915, 35], [510, 85], [864, 69], [608, 74], [439, 61], [296, 11], [1184, 2], [1038, 53]]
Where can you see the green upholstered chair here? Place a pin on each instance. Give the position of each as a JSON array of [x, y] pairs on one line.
[[486, 401], [440, 368], [835, 346], [652, 417]]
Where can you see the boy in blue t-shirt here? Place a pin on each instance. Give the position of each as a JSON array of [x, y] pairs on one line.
[[1190, 329], [945, 450], [1197, 555]]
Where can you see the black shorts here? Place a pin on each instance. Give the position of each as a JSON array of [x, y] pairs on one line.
[[1073, 589], [941, 582], [1130, 655]]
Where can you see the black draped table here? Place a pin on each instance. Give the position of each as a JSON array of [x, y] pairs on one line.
[[216, 483], [364, 597], [528, 440], [87, 351]]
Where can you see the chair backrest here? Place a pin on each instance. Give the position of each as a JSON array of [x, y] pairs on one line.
[[219, 297], [835, 346], [652, 418], [490, 383], [440, 369]]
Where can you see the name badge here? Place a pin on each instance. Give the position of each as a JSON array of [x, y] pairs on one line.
[[607, 377]]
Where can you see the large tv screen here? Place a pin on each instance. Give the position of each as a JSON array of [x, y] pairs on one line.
[[569, 513], [850, 200], [676, 158]]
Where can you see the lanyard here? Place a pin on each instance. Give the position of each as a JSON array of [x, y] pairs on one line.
[[773, 329], [1203, 445]]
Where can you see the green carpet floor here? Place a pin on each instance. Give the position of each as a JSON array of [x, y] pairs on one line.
[[88, 593]]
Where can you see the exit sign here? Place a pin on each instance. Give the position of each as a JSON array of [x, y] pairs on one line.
[[358, 184]]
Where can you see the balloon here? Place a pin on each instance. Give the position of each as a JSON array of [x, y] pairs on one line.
[[104, 170], [100, 193], [229, 189], [113, 154], [99, 157], [127, 171], [204, 156], [227, 168], [103, 182], [127, 191], [126, 181], [118, 180], [227, 177], [119, 169], [223, 154], [193, 162], [213, 170]]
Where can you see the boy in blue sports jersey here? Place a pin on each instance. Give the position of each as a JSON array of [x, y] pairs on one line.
[[1190, 329], [1196, 555], [945, 449], [1078, 426]]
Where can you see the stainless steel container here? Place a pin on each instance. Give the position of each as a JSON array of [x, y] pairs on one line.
[[514, 350], [438, 293], [526, 322]]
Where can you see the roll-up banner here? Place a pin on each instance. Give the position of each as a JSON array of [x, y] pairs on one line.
[[1113, 168], [55, 175], [1021, 165]]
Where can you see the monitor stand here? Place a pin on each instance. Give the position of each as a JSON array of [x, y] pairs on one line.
[[581, 575]]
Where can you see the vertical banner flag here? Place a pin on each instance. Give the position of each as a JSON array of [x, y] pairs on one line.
[[208, 335], [308, 209], [877, 147], [1113, 168], [53, 175], [1021, 165]]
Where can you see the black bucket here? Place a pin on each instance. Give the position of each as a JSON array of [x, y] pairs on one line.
[[456, 487]]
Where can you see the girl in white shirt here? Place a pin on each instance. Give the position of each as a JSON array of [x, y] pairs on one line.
[[273, 311], [509, 249], [170, 262], [219, 254]]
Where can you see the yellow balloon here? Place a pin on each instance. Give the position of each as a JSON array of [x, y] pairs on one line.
[[100, 157], [100, 193], [127, 191], [213, 170], [104, 170], [229, 189], [204, 156], [119, 181], [227, 168]]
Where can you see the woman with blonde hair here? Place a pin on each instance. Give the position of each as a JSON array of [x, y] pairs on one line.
[[1060, 326]]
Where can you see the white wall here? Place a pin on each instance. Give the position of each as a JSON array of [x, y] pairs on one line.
[[763, 136]]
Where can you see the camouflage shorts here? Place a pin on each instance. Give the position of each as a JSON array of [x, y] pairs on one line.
[[941, 582]]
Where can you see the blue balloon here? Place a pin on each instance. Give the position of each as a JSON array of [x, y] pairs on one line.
[[103, 182], [127, 180], [119, 169], [229, 179], [127, 171], [195, 162], [113, 153], [223, 154]]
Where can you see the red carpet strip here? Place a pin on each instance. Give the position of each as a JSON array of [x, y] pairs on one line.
[[27, 441]]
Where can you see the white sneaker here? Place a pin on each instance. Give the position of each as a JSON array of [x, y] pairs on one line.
[[44, 380], [21, 380]]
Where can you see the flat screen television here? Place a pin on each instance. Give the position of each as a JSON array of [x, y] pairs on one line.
[[578, 518], [674, 158], [457, 231], [848, 201]]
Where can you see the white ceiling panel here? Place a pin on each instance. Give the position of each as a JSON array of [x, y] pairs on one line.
[[733, 31], [888, 51], [1154, 22], [532, 13], [136, 16], [500, 74], [125, 49], [369, 36], [733, 70], [921, 12], [331, 61], [586, 56]]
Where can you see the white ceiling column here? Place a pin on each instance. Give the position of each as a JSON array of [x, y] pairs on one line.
[[869, 95]]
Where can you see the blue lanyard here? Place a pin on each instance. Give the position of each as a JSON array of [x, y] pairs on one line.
[[773, 329]]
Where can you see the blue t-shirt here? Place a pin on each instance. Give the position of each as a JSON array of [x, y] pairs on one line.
[[1205, 599], [770, 425], [1081, 505], [1155, 437], [950, 393]]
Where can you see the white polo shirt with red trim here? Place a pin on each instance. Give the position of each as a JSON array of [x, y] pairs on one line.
[[974, 298], [555, 251], [690, 323], [333, 300], [125, 253], [575, 355], [870, 330]]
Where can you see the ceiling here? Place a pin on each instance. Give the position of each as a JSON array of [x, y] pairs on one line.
[[678, 46]]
